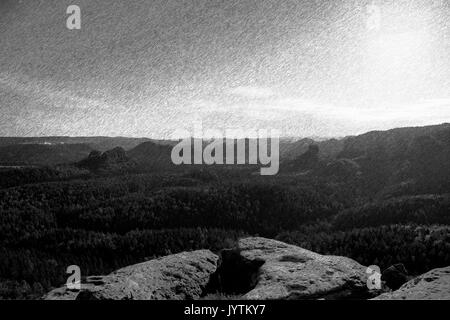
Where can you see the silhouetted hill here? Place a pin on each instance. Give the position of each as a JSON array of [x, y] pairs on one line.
[[151, 156], [396, 141], [394, 162], [405, 158]]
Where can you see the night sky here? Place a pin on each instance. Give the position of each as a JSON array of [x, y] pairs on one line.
[[146, 68]]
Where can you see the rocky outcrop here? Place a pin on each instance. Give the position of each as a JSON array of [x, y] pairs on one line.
[[433, 285], [114, 159], [290, 272], [257, 268], [175, 277]]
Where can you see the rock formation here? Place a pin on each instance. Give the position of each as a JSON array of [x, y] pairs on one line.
[[108, 160], [433, 285], [257, 268], [290, 272], [174, 277]]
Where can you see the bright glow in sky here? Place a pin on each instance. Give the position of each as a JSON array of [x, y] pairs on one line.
[[147, 68]]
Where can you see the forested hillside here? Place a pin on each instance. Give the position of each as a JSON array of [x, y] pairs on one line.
[[102, 224], [383, 199]]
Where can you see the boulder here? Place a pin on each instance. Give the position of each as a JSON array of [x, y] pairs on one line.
[[433, 285], [290, 272], [174, 277]]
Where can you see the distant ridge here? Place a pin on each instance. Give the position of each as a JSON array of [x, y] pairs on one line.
[[392, 161], [413, 159], [101, 143]]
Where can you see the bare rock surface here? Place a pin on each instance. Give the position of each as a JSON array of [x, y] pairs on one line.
[[290, 272], [433, 285], [257, 268], [175, 277]]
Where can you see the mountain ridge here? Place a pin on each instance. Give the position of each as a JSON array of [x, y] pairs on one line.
[[394, 162]]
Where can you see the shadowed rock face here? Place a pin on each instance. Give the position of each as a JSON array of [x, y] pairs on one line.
[[433, 285], [175, 277], [290, 272], [395, 276]]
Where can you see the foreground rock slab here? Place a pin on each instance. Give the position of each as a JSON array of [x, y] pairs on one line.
[[257, 268], [290, 272], [175, 277], [433, 285]]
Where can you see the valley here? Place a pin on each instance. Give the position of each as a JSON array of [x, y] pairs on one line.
[[375, 198]]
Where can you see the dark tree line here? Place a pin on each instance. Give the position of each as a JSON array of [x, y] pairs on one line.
[[428, 209], [419, 248]]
